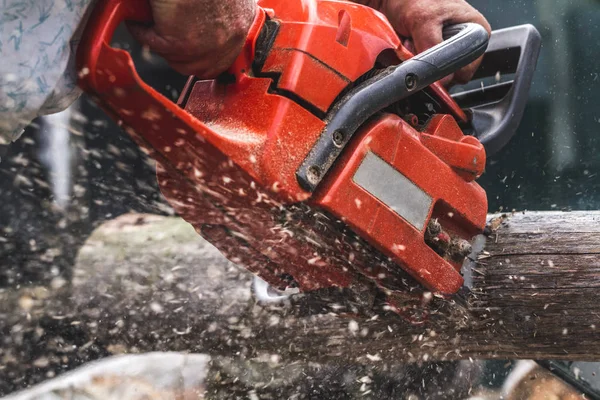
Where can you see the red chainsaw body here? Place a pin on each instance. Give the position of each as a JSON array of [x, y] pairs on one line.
[[228, 153]]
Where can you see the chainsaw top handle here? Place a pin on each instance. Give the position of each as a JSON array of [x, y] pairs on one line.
[[464, 44]]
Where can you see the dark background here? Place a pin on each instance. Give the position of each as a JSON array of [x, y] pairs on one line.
[[553, 161]]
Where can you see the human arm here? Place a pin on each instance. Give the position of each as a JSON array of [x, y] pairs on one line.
[[37, 47], [38, 43]]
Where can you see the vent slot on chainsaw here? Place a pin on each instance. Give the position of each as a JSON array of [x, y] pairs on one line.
[[152, 68]]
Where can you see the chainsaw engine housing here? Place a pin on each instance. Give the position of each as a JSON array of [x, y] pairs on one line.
[[394, 177], [305, 163]]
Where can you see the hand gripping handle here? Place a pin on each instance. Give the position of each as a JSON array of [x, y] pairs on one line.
[[465, 43], [110, 77]]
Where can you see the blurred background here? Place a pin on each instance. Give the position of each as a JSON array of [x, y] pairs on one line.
[[553, 161], [72, 171]]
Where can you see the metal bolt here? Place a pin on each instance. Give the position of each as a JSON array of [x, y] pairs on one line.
[[314, 174], [434, 227], [338, 138], [412, 119], [461, 248], [410, 81]]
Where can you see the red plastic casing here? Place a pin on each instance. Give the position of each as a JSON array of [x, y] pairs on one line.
[[227, 160]]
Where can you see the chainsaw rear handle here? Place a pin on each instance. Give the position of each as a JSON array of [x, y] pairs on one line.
[[496, 110], [464, 44]]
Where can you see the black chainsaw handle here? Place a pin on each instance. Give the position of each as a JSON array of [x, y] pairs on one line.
[[464, 44], [496, 110]]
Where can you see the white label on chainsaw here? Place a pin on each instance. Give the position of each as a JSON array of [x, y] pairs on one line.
[[395, 190]]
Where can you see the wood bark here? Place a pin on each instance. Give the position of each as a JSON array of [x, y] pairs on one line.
[[150, 283]]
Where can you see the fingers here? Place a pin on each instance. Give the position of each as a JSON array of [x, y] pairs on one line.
[[426, 35], [409, 45], [465, 74], [430, 36], [147, 36], [200, 59], [423, 21], [197, 37]]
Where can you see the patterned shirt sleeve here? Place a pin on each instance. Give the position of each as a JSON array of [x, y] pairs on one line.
[[38, 41]]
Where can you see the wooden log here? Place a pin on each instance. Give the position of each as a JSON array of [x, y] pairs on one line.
[[149, 283]]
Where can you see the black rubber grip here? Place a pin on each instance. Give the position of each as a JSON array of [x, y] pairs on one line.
[[397, 82], [463, 44], [496, 110]]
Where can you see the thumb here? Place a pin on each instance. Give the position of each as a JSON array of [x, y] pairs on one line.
[[425, 36], [147, 36]]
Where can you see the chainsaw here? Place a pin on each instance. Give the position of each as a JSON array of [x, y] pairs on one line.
[[328, 155]]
